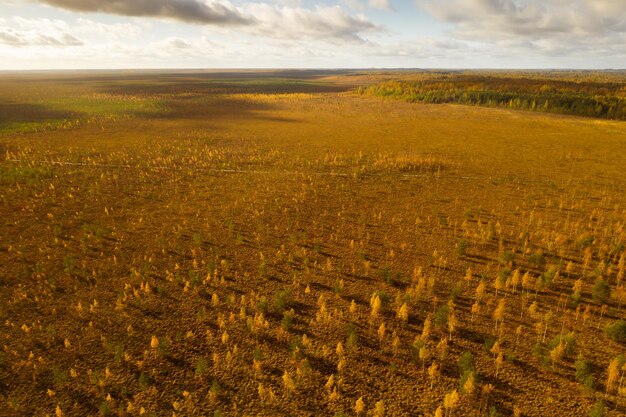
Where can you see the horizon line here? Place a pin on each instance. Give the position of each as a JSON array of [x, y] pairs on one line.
[[315, 69]]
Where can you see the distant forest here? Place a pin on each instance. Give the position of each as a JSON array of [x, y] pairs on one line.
[[591, 98]]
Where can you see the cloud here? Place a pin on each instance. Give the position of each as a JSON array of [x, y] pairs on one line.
[[380, 4], [108, 31], [190, 11], [12, 37], [362, 6], [287, 20], [554, 28], [19, 32], [323, 23], [531, 19]]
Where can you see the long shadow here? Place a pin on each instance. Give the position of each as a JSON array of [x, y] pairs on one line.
[[215, 109], [30, 113]]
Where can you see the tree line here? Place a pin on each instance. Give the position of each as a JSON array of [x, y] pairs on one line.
[[605, 100]]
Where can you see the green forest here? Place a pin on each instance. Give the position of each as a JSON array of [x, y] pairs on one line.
[[606, 99]]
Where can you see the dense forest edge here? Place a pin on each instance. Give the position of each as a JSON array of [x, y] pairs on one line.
[[598, 99]]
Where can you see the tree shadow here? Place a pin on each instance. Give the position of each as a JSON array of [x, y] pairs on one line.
[[31, 113]]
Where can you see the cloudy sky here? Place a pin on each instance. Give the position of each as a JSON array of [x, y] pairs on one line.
[[55, 34]]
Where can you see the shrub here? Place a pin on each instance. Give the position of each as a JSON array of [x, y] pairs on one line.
[[461, 247], [466, 362], [616, 331], [568, 340], [441, 317], [583, 369], [467, 368], [283, 299], [537, 259], [601, 291], [507, 257], [202, 367], [597, 410]]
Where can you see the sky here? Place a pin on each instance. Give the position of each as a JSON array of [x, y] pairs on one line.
[[113, 34]]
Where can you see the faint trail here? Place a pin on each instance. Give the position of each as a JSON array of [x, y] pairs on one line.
[[234, 171]]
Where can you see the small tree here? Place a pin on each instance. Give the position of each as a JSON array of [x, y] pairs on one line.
[[359, 406], [376, 305], [452, 324], [515, 279], [597, 410], [470, 385], [379, 409], [433, 374], [612, 373], [556, 354], [288, 383], [403, 313], [480, 290], [601, 291], [499, 361], [468, 275], [616, 331], [450, 402], [426, 329], [381, 332], [475, 310], [499, 312]]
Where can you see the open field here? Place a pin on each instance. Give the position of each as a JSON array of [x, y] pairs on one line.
[[276, 244]]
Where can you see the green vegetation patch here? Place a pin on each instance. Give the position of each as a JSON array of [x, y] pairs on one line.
[[591, 99]]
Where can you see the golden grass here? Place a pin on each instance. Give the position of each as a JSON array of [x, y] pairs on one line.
[[220, 255]]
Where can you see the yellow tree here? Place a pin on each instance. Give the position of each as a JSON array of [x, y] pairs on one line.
[[470, 385], [499, 312], [499, 361], [426, 329], [515, 279], [442, 349], [433, 374], [480, 290], [450, 402], [395, 343], [403, 313], [381, 332], [376, 304], [475, 310], [379, 409], [359, 406], [556, 354], [452, 323], [612, 374], [288, 383], [468, 275]]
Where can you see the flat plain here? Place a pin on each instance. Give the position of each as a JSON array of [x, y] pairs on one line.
[[278, 244]]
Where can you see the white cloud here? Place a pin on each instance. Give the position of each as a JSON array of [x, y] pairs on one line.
[[287, 20], [530, 19], [541, 27], [379, 4], [19, 32], [109, 31], [362, 6], [323, 23]]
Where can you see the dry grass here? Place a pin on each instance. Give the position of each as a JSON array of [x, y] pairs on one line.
[[220, 256]]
